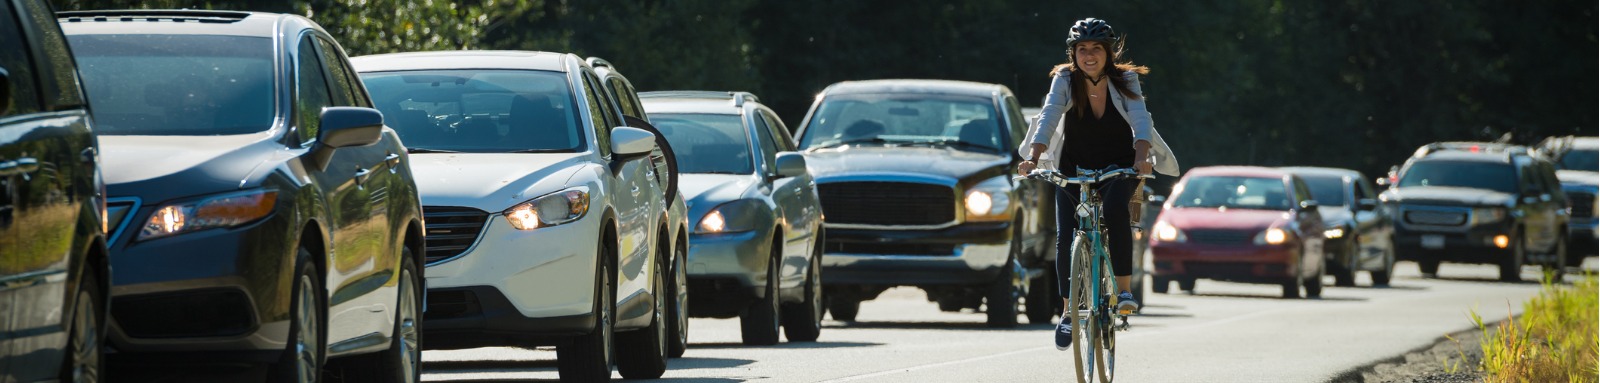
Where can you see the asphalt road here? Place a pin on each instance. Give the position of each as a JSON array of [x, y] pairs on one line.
[[1225, 332]]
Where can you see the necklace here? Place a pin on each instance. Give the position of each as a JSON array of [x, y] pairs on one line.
[[1096, 81]]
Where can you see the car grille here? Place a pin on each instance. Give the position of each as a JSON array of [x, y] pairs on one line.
[[889, 249], [1220, 237], [1439, 218], [451, 230], [887, 203], [1582, 204]]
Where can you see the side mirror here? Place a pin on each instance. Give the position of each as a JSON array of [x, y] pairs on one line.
[[1366, 204], [1382, 182], [1309, 205], [790, 164], [628, 142], [345, 126], [1159, 199], [5, 91]]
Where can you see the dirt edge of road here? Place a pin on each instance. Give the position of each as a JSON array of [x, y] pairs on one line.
[[1459, 352]]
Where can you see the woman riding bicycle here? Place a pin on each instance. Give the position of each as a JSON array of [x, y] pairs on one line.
[[1111, 129]]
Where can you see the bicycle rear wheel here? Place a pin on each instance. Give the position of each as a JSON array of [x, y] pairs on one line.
[[1080, 310], [1106, 331]]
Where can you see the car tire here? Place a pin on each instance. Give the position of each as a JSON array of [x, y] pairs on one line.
[[843, 309], [642, 353], [588, 358], [83, 360], [1001, 301], [303, 358], [1511, 264], [1291, 287], [1313, 284], [1428, 267], [759, 324], [678, 321], [1345, 275], [802, 321], [1186, 284], [1381, 277], [1041, 305], [1557, 267], [402, 361], [1159, 285]]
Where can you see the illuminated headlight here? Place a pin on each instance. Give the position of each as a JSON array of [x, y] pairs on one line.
[[733, 217], [1484, 215], [1334, 233], [1165, 232], [713, 223], [549, 210], [1272, 236], [219, 211], [989, 200]]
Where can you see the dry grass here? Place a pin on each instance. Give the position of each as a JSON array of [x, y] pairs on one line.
[[37, 238], [1556, 340]]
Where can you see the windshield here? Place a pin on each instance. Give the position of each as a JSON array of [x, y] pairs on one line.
[[968, 123], [1476, 175], [1233, 192], [1581, 159], [706, 143], [1328, 190], [478, 111], [182, 85]]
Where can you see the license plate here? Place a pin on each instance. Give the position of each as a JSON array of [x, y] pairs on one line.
[[1433, 242]]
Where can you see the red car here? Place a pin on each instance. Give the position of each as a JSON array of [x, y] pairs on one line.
[[1241, 224]]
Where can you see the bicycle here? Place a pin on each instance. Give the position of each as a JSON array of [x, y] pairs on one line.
[[1093, 289]]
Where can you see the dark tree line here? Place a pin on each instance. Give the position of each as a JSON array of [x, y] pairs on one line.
[[1348, 83]]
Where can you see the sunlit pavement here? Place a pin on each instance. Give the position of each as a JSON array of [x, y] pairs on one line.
[[1225, 332]]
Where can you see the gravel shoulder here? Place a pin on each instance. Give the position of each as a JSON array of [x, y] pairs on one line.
[[1450, 359]]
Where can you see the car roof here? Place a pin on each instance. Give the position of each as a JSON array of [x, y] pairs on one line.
[[1236, 171], [1590, 143], [697, 102], [965, 88], [452, 60], [1322, 171], [176, 22], [1456, 155]]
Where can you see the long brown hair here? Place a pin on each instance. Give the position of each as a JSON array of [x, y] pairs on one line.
[[1117, 73]]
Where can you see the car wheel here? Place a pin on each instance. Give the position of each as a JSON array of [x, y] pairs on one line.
[[1159, 285], [302, 360], [1186, 284], [402, 362], [588, 357], [802, 322], [1511, 264], [1041, 305], [1001, 301], [759, 324], [1345, 275], [1557, 267], [843, 309], [1291, 287], [678, 328], [1380, 277], [642, 353], [1313, 284], [83, 355], [1428, 267]]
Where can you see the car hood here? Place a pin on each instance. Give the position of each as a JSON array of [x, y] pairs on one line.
[[1570, 178], [1335, 215], [1448, 195], [1190, 218], [946, 162], [150, 167], [490, 181], [713, 188]]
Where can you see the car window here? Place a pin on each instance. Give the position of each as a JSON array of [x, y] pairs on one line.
[[479, 111], [345, 89], [1528, 178], [630, 106], [1581, 159], [905, 118], [1328, 190], [599, 114], [1302, 192], [1364, 188], [1019, 125], [311, 91], [1233, 192], [780, 134], [18, 70], [764, 138], [59, 81], [177, 84], [1498, 177], [1548, 180], [706, 143]]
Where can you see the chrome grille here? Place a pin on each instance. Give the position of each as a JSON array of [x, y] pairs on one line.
[[1219, 237], [451, 230], [887, 203], [1582, 204], [1440, 218]]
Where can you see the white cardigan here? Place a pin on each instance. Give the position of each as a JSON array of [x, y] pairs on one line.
[[1059, 101]]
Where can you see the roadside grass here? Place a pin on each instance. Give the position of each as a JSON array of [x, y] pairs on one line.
[[38, 238], [1555, 340]]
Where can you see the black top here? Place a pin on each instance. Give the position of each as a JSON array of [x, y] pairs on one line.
[[1096, 143]]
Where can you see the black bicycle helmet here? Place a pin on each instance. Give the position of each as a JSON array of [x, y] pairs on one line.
[[1091, 29]]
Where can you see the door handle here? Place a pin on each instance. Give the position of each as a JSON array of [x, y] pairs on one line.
[[635, 191], [393, 159], [21, 166], [361, 175]]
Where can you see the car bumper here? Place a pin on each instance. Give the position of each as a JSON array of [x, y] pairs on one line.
[[516, 278], [727, 271], [962, 255], [1469, 246], [1582, 238], [1237, 263]]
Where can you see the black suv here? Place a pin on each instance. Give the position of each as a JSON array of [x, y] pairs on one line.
[[53, 273], [261, 211], [1479, 203]]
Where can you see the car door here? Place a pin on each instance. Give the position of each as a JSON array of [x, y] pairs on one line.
[[1534, 199], [1308, 223], [1372, 226], [790, 194], [630, 196], [1556, 204], [1038, 221]]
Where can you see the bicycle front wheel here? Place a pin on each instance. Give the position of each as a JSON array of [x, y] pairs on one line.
[[1105, 329], [1080, 310]]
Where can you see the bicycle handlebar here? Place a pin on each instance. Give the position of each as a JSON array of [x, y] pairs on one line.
[[1085, 176]]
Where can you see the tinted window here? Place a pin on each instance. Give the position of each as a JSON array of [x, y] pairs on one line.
[[599, 113], [344, 87], [18, 70], [706, 143], [1581, 159], [177, 84], [1234, 192], [480, 111], [1327, 190], [61, 84], [779, 132], [630, 106], [1477, 175], [913, 119], [311, 92], [764, 138], [1019, 126]]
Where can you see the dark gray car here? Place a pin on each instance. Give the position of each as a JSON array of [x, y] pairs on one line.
[[1358, 230]]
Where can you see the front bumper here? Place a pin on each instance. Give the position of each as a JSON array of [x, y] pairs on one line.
[[1581, 239], [1244, 263], [1473, 245], [727, 271], [517, 279], [969, 254]]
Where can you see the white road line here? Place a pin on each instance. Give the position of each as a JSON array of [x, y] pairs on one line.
[[935, 365]]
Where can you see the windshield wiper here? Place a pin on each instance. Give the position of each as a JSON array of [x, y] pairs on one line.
[[962, 144], [426, 150], [874, 140]]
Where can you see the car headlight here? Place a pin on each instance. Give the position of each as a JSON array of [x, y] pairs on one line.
[[225, 210], [732, 217], [1334, 233], [1273, 236], [549, 210], [1485, 215], [989, 200], [1165, 232]]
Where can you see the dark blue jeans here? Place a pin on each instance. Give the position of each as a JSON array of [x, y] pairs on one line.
[[1114, 215]]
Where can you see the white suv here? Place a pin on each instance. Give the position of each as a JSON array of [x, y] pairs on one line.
[[537, 200]]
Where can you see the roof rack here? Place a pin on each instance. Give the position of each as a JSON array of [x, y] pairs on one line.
[[738, 98], [178, 15], [1484, 147], [597, 62]]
